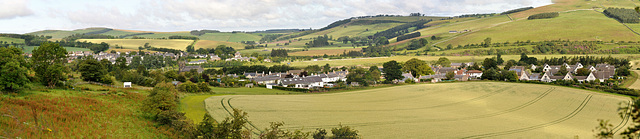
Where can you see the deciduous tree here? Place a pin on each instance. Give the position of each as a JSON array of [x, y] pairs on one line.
[[48, 62]]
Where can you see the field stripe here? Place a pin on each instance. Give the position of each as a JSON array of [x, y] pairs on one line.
[[567, 117]]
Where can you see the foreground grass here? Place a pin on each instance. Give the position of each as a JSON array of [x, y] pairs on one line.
[[89, 111]]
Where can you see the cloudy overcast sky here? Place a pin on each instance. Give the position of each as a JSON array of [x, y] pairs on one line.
[[22, 16]]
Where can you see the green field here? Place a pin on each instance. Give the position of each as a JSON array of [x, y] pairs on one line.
[[378, 61], [12, 40], [214, 44], [194, 108], [446, 110], [135, 43], [58, 34], [29, 49], [577, 25]]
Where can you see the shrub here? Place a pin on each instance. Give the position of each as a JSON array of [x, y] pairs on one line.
[[203, 87], [188, 87]]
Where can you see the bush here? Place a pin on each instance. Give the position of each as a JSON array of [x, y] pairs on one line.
[[203, 87], [188, 87], [544, 15]]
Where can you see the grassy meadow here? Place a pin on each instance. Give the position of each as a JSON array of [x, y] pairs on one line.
[[12, 40], [213, 44], [478, 110], [29, 49], [59, 34], [89, 111], [577, 25], [135, 43]]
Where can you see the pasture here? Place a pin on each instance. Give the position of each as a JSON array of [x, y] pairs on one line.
[[214, 44], [11, 40], [29, 49], [445, 110], [321, 52], [135, 43], [575, 25]]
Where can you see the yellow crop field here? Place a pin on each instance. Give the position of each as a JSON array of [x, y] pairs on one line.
[[445, 110], [135, 43]]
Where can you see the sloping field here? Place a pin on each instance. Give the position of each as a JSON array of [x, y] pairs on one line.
[[575, 25], [214, 44], [447, 110], [135, 43], [58, 34], [11, 40], [324, 51]]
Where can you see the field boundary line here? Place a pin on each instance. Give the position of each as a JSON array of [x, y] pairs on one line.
[[567, 117]]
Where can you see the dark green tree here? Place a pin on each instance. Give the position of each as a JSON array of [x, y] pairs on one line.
[[48, 62], [13, 70], [490, 63], [92, 70], [444, 62], [392, 70], [489, 74], [583, 72], [499, 59]]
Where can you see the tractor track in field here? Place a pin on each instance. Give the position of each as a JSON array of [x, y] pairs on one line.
[[567, 117], [625, 120], [529, 103]]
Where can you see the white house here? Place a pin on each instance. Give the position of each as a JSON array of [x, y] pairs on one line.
[[127, 84]]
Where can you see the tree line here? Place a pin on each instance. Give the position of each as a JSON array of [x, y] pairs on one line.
[[401, 29], [543, 15], [623, 15], [75, 37], [516, 10], [202, 32], [184, 37], [408, 36]]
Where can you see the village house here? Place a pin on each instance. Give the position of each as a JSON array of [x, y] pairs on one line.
[[303, 82], [474, 73]]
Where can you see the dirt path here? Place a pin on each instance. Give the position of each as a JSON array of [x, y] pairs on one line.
[[636, 85]]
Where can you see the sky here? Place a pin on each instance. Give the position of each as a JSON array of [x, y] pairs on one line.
[[23, 16]]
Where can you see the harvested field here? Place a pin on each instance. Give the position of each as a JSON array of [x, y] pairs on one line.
[[445, 110]]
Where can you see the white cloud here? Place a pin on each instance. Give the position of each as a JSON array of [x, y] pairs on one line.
[[229, 15], [14, 8]]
